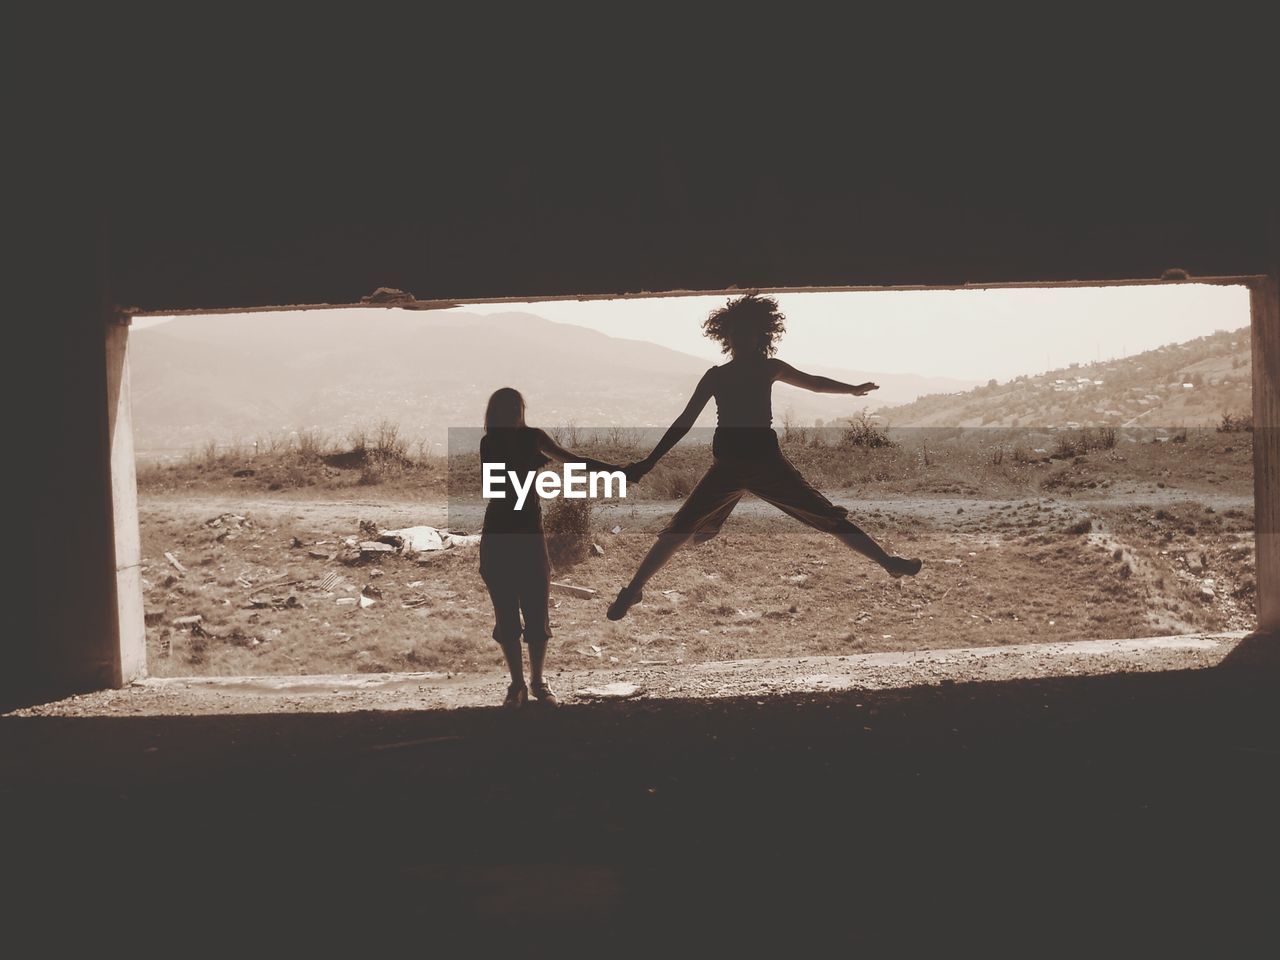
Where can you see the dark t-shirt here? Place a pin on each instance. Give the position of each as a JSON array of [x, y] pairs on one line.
[[743, 390], [744, 393], [517, 449]]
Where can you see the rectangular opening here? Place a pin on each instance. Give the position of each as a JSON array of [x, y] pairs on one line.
[[1072, 463]]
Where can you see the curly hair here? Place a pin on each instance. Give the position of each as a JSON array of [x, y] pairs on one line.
[[750, 324]]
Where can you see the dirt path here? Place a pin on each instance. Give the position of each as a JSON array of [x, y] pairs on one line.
[[334, 513]]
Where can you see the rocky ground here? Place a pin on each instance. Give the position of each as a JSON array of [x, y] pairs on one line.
[[277, 589]]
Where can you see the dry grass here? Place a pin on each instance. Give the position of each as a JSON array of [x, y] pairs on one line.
[[937, 461]]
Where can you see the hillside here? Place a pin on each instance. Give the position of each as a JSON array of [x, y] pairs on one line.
[[236, 379], [1182, 384]]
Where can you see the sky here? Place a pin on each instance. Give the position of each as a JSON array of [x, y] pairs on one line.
[[970, 334], [967, 334]]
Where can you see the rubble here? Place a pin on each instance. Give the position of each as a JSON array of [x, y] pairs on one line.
[[424, 539], [228, 520], [290, 602], [413, 539], [188, 621], [173, 562], [572, 590], [328, 582], [619, 690]]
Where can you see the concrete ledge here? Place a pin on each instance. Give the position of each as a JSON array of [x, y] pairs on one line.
[[735, 678]]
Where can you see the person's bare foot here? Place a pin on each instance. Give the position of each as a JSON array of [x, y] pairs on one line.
[[902, 567], [627, 598]]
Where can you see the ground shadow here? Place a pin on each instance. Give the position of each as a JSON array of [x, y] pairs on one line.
[[1139, 803]]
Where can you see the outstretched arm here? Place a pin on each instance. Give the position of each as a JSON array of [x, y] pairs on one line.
[[553, 449], [809, 381], [679, 427]]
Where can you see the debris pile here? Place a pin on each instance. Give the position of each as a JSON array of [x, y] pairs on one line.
[[408, 541], [228, 525]]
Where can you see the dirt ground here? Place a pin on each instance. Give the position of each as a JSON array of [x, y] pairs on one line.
[[763, 678], [1142, 559]]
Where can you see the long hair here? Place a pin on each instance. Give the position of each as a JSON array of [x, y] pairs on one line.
[[505, 409], [748, 325]]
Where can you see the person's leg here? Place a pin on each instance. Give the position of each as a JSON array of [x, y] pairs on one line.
[[785, 488], [700, 516], [664, 547], [535, 604], [515, 661], [537, 659], [497, 576]]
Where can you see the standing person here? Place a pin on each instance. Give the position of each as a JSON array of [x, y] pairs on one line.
[[514, 563], [745, 448]]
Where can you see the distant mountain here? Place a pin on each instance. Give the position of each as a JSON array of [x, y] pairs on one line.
[[1181, 384], [250, 376]]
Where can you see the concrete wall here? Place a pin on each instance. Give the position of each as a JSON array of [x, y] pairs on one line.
[[1266, 447], [72, 642], [624, 216]]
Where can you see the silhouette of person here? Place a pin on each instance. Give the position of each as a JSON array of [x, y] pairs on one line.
[[747, 457], [514, 563]]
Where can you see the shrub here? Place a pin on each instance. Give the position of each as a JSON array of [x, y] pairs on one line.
[[1074, 443], [358, 439], [567, 436], [311, 443], [864, 432], [388, 444], [568, 527], [1237, 423]]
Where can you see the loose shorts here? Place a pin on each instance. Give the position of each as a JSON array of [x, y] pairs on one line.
[[771, 477], [516, 570]]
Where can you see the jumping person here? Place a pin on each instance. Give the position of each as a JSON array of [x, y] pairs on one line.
[[745, 448], [514, 563]]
